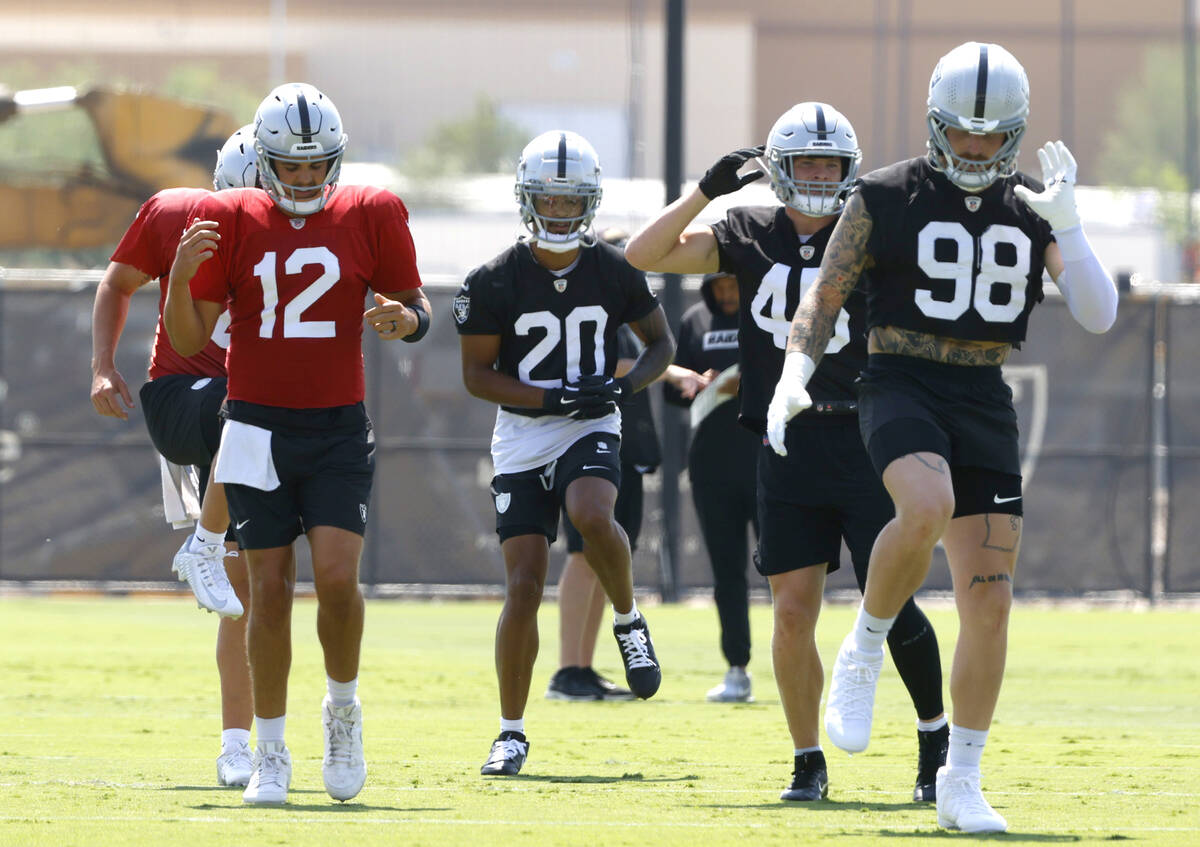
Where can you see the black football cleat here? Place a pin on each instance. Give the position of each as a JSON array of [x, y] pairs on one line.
[[642, 673], [810, 780], [508, 755], [608, 689], [570, 683], [931, 755]]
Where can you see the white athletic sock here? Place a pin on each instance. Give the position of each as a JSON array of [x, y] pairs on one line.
[[626, 618], [204, 536], [270, 729], [800, 751], [513, 726], [233, 737], [870, 632], [966, 748], [341, 693], [930, 726]]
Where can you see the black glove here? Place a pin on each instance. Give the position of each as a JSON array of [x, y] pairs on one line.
[[722, 178], [573, 402], [618, 389]]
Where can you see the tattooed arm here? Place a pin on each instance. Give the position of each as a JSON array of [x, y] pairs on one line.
[[845, 258]]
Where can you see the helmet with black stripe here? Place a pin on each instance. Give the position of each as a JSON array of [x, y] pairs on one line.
[[237, 161], [811, 129], [297, 124], [558, 164], [978, 88]]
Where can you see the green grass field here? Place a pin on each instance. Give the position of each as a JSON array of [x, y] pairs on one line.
[[109, 727]]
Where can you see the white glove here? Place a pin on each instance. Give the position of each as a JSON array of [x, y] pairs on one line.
[[791, 397], [1057, 203]]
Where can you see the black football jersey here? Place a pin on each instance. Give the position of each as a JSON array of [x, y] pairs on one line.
[[774, 269], [948, 262], [553, 329]]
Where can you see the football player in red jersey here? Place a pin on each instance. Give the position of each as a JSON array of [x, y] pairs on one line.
[[951, 247], [180, 402], [295, 262]]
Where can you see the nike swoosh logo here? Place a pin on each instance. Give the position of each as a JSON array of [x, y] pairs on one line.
[[594, 468], [242, 523], [998, 499], [566, 402]]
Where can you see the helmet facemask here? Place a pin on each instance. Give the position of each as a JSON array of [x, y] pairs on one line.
[[972, 174], [297, 123], [811, 130], [815, 198], [558, 164], [977, 88]]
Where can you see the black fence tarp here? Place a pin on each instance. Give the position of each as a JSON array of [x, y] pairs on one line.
[[82, 498]]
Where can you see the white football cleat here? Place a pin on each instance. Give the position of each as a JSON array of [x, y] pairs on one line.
[[344, 766], [272, 775], [960, 803], [235, 765], [852, 697], [204, 571], [735, 688]]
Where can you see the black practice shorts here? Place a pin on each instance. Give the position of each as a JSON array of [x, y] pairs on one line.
[[628, 510], [823, 492], [964, 414], [325, 460], [528, 502], [183, 418]]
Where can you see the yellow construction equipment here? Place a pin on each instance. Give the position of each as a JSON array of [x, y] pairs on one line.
[[148, 142]]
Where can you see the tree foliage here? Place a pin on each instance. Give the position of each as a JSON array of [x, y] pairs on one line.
[[1146, 148], [481, 142]]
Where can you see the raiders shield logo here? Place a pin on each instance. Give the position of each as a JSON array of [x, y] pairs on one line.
[[973, 203], [560, 285], [462, 308], [807, 251], [502, 501], [1031, 399], [297, 223], [362, 511]]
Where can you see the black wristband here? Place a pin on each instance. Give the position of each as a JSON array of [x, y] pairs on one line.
[[422, 322]]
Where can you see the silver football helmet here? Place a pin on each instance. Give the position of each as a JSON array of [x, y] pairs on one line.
[[978, 88], [558, 163], [297, 122], [811, 129], [236, 161]]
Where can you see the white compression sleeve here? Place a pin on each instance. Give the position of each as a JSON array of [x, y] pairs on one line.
[[1089, 290]]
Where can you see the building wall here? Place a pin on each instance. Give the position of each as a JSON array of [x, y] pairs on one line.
[[397, 69]]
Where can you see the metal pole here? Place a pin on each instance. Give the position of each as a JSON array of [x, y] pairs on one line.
[[879, 73], [1066, 96], [1160, 458], [672, 301], [277, 70], [900, 146], [637, 77], [1190, 137]]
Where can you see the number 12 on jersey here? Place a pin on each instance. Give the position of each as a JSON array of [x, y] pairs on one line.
[[293, 325]]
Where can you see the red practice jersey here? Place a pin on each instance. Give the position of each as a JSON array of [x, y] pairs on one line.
[[297, 289], [149, 245]]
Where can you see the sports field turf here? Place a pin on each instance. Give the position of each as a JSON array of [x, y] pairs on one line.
[[109, 725]]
